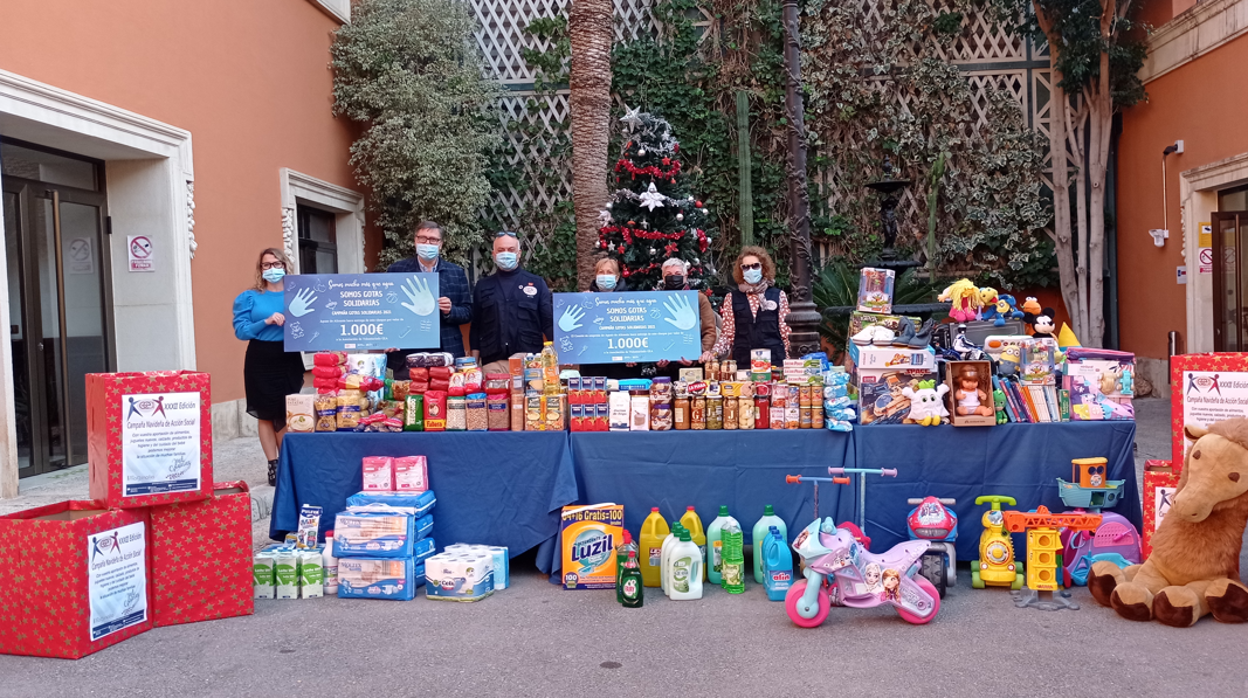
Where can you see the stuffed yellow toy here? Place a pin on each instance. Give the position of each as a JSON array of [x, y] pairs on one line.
[[1194, 567], [965, 298]]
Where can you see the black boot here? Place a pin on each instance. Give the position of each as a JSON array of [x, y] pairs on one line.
[[273, 473]]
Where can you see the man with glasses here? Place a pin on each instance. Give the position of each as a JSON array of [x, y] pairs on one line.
[[455, 302], [512, 309]]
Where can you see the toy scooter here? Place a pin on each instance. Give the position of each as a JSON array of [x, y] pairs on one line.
[[996, 566], [930, 520], [838, 570]]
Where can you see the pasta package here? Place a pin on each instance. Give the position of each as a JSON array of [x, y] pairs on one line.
[[326, 407], [399, 390], [349, 406]]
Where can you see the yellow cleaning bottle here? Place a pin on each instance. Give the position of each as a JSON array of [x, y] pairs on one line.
[[653, 530], [693, 524]]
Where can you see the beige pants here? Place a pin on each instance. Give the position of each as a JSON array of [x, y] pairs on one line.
[[503, 366]]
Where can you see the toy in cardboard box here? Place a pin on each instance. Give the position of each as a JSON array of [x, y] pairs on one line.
[[882, 400], [970, 392], [84, 581], [201, 557], [149, 437], [1101, 384], [875, 290]]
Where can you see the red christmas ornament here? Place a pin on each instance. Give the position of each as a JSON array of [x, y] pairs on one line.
[[667, 161], [698, 204], [627, 273], [676, 148]]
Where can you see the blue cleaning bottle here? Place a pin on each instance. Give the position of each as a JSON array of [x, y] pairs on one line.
[[777, 565]]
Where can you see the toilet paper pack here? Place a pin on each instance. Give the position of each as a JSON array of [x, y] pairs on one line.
[[459, 576]]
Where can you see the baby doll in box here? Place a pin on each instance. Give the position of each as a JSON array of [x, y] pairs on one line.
[[970, 398]]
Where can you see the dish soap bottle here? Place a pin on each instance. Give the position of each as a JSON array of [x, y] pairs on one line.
[[686, 576], [734, 558], [693, 524], [759, 536], [630, 588], [714, 545], [653, 530], [621, 556]]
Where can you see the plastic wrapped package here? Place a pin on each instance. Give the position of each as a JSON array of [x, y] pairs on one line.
[[456, 413]]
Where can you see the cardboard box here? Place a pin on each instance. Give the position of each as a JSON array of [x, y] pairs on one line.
[[77, 579], [982, 371], [149, 437], [1161, 481], [1203, 389], [201, 558], [590, 534], [895, 358], [880, 400]]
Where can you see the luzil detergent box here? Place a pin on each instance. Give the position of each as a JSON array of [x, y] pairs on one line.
[[590, 535], [459, 576], [374, 578]]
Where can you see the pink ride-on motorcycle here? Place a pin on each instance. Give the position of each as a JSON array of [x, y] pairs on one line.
[[838, 570]]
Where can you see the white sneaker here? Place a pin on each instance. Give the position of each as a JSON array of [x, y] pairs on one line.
[[883, 336], [864, 336]]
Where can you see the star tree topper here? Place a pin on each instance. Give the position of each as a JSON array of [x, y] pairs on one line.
[[632, 117], [651, 198]]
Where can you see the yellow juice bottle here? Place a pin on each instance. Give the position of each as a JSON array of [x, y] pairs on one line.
[[653, 530], [693, 524]]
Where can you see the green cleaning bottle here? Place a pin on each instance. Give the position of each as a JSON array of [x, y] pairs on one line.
[[733, 561], [631, 591], [621, 556]]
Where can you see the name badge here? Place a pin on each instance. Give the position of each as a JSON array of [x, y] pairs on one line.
[[769, 305], [530, 290]]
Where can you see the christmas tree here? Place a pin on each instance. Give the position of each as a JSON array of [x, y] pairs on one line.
[[652, 216]]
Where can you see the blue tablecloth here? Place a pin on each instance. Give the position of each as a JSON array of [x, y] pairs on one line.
[[492, 488], [1022, 461]]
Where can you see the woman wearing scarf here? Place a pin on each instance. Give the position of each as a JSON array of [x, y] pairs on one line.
[[753, 316], [608, 279]]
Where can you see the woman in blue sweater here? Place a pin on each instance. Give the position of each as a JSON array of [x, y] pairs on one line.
[[270, 373]]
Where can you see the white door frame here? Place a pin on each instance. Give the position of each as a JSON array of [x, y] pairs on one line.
[[150, 176], [346, 205], [1198, 195]]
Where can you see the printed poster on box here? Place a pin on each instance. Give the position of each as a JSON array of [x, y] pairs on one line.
[[160, 443], [117, 579], [1205, 388]]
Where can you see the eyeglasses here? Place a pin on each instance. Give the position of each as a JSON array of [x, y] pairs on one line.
[[507, 233], [272, 265], [756, 265], [425, 240]]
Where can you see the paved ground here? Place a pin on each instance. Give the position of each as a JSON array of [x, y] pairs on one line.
[[535, 639]]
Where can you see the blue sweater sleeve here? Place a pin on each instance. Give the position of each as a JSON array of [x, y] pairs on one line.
[[244, 328]]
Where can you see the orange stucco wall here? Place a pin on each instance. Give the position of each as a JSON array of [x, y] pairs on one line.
[[248, 78], [1202, 103]]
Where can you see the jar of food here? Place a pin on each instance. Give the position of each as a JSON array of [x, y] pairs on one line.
[[745, 412], [762, 412], [805, 417], [816, 416], [730, 412], [697, 415], [660, 416], [715, 412], [680, 413]]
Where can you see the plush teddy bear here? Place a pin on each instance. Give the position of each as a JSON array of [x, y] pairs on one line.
[[1194, 567]]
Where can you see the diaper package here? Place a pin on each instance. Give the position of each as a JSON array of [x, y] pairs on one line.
[[378, 473], [590, 534], [414, 503], [411, 474], [388, 534], [376, 578], [459, 576]]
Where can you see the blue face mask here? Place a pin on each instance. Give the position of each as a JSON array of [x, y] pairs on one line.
[[606, 282], [753, 276], [273, 275], [507, 261], [426, 251]]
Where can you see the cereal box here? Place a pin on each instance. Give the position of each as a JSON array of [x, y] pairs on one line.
[[590, 535]]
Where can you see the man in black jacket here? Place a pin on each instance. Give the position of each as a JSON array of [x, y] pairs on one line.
[[512, 309], [455, 301]]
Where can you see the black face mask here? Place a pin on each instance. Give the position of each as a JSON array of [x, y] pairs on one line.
[[674, 283]]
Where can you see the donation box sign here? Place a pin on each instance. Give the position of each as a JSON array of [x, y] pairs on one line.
[[605, 328], [351, 312]]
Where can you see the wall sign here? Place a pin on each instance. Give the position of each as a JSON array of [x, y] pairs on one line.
[[117, 579], [604, 328], [355, 312], [160, 448], [139, 252]]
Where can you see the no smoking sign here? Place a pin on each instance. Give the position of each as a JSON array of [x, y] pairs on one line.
[[139, 253]]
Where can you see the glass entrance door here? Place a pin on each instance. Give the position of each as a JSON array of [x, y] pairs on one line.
[[57, 302], [1230, 281]]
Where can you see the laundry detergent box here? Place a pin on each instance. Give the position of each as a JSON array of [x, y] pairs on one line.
[[459, 576], [379, 532], [590, 534], [377, 578], [149, 437]]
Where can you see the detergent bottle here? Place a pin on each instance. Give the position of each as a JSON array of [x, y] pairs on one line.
[[666, 554], [777, 565], [715, 545], [733, 561], [631, 592], [693, 524], [685, 582], [759, 535], [653, 530], [621, 556]]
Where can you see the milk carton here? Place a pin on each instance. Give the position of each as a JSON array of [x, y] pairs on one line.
[[286, 570], [459, 576], [311, 574], [377, 578], [590, 535], [264, 575]]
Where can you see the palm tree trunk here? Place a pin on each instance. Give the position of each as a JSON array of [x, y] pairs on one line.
[[590, 34]]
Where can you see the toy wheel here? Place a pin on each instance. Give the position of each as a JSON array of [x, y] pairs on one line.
[[794, 597], [930, 590], [977, 582], [932, 567], [1018, 582]]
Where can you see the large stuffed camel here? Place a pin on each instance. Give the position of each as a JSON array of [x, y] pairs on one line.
[[1194, 567]]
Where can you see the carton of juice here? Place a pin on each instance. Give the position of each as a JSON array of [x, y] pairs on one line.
[[590, 536]]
